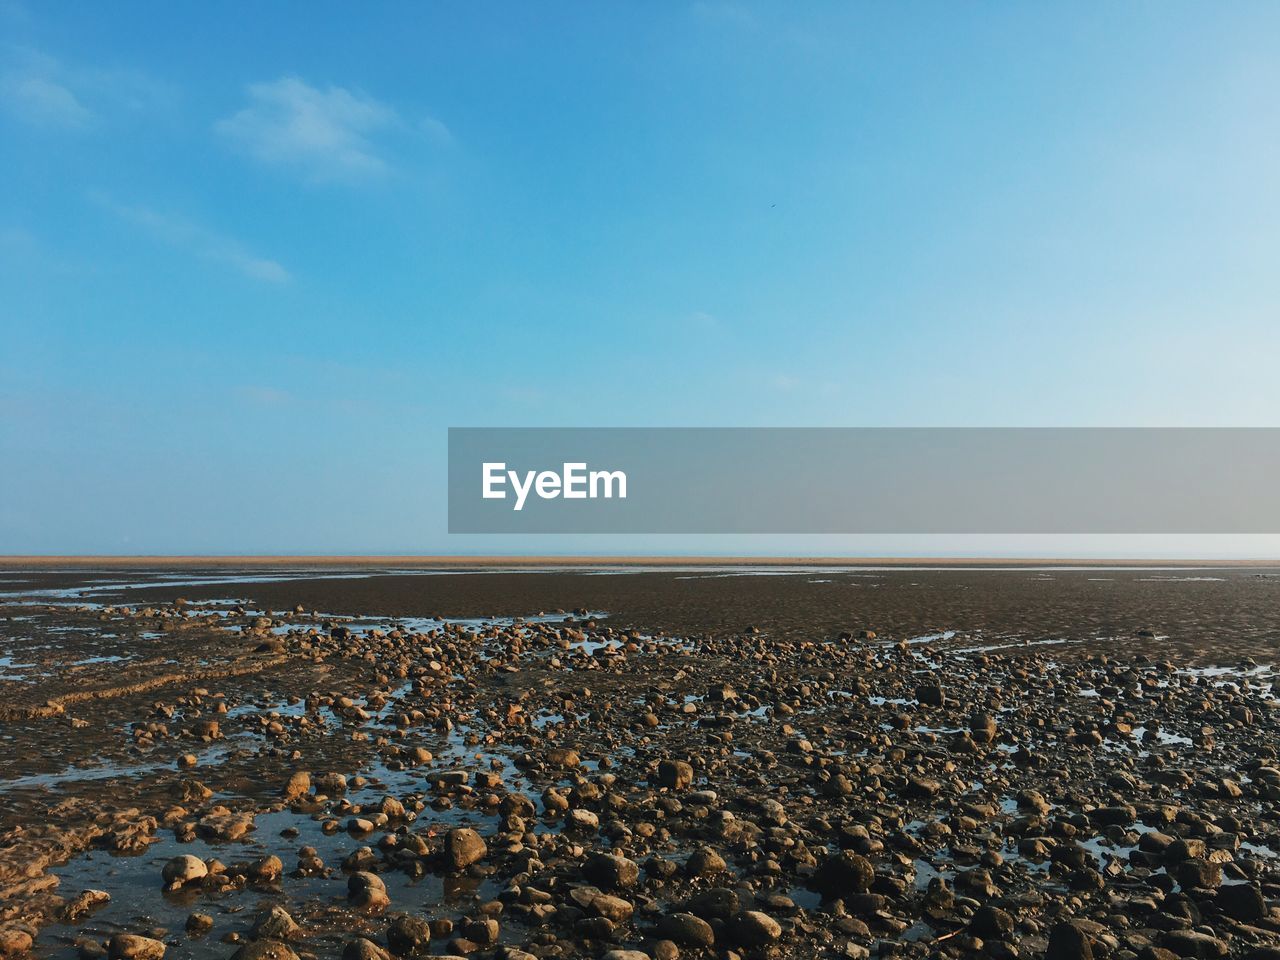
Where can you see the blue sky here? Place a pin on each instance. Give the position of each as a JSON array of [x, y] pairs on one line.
[[252, 266]]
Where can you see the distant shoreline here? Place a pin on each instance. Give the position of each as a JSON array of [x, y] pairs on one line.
[[589, 562]]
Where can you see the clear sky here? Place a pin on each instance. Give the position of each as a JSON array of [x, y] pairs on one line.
[[253, 264]]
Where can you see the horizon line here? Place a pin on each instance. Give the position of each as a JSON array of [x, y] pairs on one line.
[[589, 560]]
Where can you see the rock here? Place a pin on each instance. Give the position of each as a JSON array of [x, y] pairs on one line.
[[191, 792], [84, 903], [625, 955], [13, 942], [717, 903], [298, 787], [614, 909], [930, 695], [184, 869], [130, 946], [1121, 815], [554, 802], [367, 891], [1068, 942], [223, 825], [923, 787], [703, 862], [408, 935], [610, 871], [273, 923], [687, 930], [463, 847], [266, 869], [331, 784], [563, 758], [363, 949], [198, 924], [264, 950], [1185, 848], [483, 931], [1242, 901], [843, 874], [752, 928], [675, 774], [1204, 874], [991, 923], [982, 727], [1192, 943]]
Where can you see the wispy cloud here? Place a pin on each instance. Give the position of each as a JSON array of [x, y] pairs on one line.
[[327, 134], [45, 103], [43, 91], [183, 234]]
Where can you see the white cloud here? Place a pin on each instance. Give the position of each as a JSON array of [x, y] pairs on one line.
[[42, 91], [435, 130], [326, 133], [45, 102], [204, 243]]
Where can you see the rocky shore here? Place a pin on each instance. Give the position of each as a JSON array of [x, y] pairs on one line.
[[785, 766]]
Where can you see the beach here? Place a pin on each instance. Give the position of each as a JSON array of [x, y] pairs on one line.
[[364, 758]]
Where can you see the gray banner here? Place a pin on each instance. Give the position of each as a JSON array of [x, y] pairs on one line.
[[864, 480]]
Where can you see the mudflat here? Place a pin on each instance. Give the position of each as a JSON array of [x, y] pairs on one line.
[[814, 759]]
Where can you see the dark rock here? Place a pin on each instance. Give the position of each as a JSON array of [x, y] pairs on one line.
[[843, 874]]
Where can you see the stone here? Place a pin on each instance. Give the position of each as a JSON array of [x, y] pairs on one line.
[[687, 930], [610, 871], [266, 868], [298, 787], [675, 774], [1241, 901], [991, 923], [463, 847], [1192, 943], [264, 950], [753, 928], [367, 891], [198, 924], [13, 942], [1067, 941], [184, 869], [274, 923], [408, 935], [703, 862], [1204, 874], [717, 903], [83, 903], [130, 946], [363, 949], [930, 695], [843, 874]]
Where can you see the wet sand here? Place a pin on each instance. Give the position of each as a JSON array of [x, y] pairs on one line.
[[817, 760]]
